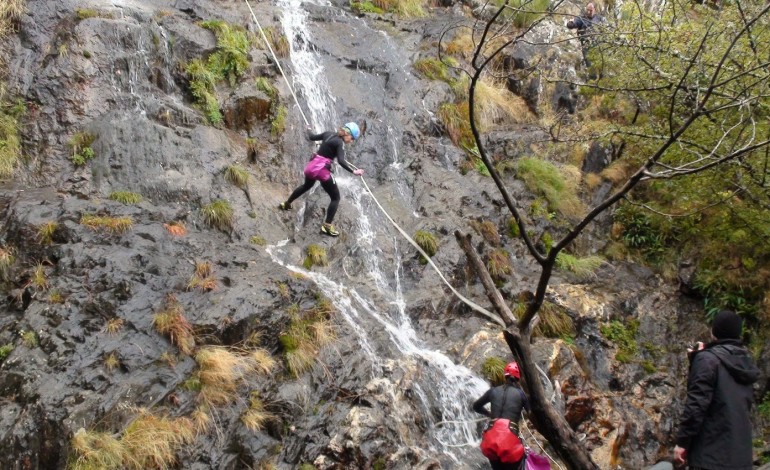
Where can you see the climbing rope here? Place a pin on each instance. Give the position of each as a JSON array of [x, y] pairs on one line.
[[468, 302], [275, 59], [541, 447]]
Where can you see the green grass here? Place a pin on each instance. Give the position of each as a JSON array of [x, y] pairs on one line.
[[583, 268], [45, 232], [80, 145], [554, 322], [427, 241], [264, 85], [366, 7], [316, 256], [125, 197], [623, 335], [278, 123], [218, 214], [237, 175], [493, 370], [5, 351], [231, 58], [433, 69], [545, 179], [306, 333], [203, 84], [29, 339], [456, 120], [85, 13]]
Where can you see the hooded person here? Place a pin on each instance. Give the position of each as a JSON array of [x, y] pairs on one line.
[[319, 168], [715, 426], [500, 442]]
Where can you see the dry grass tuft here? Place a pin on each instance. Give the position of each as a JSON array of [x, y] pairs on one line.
[[617, 172], [427, 241], [499, 264], [152, 441], [111, 362], [7, 259], [554, 322], [203, 277], [497, 105], [96, 450], [176, 229], [306, 334], [201, 419], [237, 176], [171, 322], [263, 361], [125, 197], [462, 45], [592, 181], [219, 374], [46, 231], [218, 214], [255, 417], [488, 230], [583, 268], [316, 256], [116, 225], [113, 325]]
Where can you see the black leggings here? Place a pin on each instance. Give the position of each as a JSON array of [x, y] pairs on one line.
[[331, 189]]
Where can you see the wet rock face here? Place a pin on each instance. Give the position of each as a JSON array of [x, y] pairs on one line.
[[119, 75]]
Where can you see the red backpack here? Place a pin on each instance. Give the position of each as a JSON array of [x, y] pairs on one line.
[[499, 443]]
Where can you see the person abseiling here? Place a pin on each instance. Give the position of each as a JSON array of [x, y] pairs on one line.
[[500, 443], [584, 25], [319, 168]]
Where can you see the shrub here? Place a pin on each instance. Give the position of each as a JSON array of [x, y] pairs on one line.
[[116, 225], [493, 370], [237, 176], [171, 322], [125, 197], [427, 241], [80, 144], [218, 214], [46, 231], [316, 256], [583, 268]]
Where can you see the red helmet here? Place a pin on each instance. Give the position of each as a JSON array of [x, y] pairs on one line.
[[512, 370]]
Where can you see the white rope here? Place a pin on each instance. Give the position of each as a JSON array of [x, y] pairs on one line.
[[275, 58], [524, 421]]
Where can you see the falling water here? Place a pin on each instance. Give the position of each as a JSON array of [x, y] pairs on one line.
[[443, 388]]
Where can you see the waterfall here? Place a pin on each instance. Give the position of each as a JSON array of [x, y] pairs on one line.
[[443, 388]]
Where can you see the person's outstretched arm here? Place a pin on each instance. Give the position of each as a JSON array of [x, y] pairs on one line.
[[479, 405]]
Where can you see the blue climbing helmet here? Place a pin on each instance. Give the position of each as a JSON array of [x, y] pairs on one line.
[[352, 129]]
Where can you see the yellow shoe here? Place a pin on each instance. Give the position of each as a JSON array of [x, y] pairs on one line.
[[284, 207], [328, 229]]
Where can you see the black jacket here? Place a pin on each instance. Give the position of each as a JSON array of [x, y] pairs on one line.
[[507, 402], [332, 146], [715, 428]]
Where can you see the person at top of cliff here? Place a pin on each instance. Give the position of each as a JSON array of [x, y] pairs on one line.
[[584, 25], [715, 427], [319, 168], [501, 443]]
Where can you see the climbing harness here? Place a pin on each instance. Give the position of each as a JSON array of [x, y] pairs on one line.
[[495, 318]]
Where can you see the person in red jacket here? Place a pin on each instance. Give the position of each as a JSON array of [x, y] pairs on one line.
[[501, 444], [715, 428]]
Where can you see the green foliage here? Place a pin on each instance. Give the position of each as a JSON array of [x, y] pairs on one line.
[[481, 167], [237, 175], [624, 337], [433, 69], [5, 351], [427, 241], [763, 408], [525, 12], [366, 7], [231, 58], [492, 369], [278, 124], [203, 84], [218, 214], [10, 142], [513, 228], [545, 179], [584, 268], [125, 197], [720, 294], [80, 143], [264, 85], [649, 367], [316, 256]]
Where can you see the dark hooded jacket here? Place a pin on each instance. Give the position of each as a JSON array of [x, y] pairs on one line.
[[715, 428]]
